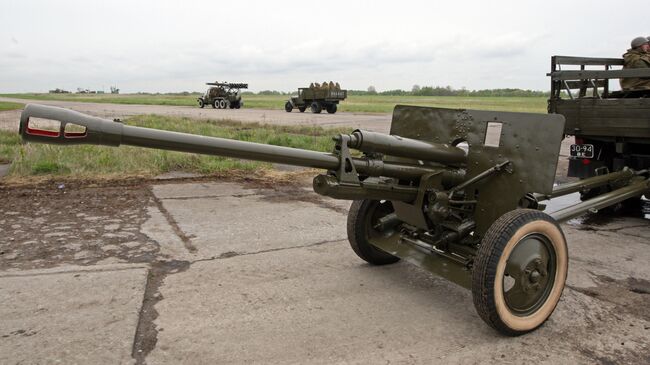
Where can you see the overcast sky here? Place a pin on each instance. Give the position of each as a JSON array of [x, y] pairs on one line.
[[165, 46]]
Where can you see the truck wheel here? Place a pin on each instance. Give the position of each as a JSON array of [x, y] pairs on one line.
[[201, 103], [316, 107], [302, 109], [238, 105], [362, 220], [288, 107], [519, 271], [215, 104], [222, 104], [232, 105], [331, 108]]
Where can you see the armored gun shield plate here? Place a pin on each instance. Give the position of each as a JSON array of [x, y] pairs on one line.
[[530, 141]]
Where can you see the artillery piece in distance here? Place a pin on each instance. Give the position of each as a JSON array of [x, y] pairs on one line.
[[222, 95], [317, 97]]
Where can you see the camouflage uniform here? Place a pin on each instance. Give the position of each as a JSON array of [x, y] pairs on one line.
[[635, 58]]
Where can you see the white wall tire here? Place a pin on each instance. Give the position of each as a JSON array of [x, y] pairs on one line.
[[520, 271]]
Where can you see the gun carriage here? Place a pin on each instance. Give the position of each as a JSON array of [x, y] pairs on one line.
[[456, 192]]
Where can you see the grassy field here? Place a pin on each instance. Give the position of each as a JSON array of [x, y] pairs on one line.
[[10, 106], [87, 161], [361, 104]]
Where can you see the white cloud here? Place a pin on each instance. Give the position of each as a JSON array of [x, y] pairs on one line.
[[174, 46]]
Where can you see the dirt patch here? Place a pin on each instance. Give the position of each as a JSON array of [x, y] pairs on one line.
[[60, 225], [48, 223], [627, 297], [630, 296]]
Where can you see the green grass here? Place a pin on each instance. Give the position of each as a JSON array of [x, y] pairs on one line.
[[146, 99], [10, 106], [89, 161], [354, 103]]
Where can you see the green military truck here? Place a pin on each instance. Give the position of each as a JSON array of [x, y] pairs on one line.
[[317, 97], [222, 95], [611, 128]]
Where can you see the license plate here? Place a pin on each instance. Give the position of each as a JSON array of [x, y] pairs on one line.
[[582, 150]]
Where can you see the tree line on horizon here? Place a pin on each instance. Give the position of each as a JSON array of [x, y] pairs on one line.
[[418, 90]]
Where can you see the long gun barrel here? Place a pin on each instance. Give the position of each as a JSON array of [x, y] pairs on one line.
[[107, 132]]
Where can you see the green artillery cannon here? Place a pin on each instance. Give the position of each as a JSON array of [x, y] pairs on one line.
[[456, 192]]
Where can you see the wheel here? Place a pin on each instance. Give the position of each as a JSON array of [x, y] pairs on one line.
[[288, 107], [201, 103], [215, 104], [316, 107], [302, 109], [362, 220], [239, 104], [222, 104], [331, 108], [519, 271], [232, 105]]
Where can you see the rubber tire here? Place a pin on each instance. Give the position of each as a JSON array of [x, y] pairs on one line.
[[302, 109], [515, 224], [357, 235], [223, 104], [201, 103], [331, 109], [215, 104], [316, 107], [288, 107], [238, 104]]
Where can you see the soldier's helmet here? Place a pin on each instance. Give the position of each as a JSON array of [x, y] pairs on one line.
[[639, 41]]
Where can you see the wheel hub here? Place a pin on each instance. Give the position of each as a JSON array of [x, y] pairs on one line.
[[527, 270]]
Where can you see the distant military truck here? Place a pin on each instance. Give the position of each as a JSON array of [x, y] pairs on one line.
[[611, 128], [317, 97], [222, 95]]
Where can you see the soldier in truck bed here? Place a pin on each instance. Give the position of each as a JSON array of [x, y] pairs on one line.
[[637, 57]]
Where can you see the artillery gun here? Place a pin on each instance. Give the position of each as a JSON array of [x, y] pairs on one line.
[[456, 192], [222, 95], [317, 97]]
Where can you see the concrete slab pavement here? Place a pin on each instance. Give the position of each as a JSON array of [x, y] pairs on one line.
[[243, 273], [323, 305], [70, 315], [229, 219]]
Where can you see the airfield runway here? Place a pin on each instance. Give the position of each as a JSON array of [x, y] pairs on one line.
[[378, 122], [201, 271]]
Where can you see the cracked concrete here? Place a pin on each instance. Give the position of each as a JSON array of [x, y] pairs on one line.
[[223, 272], [70, 314]]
